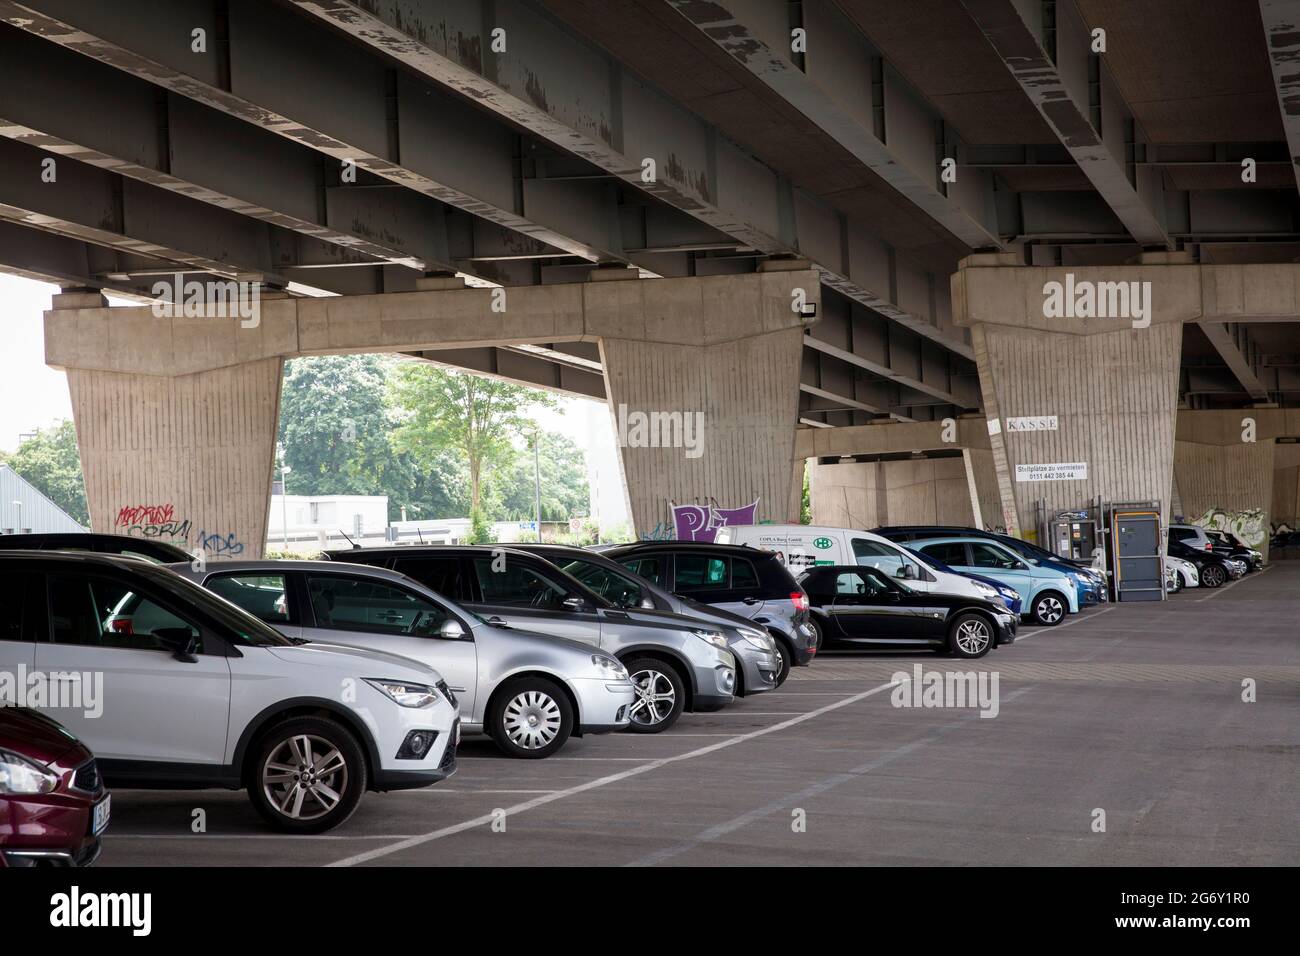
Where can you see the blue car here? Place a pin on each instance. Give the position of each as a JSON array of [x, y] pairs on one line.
[[1049, 595], [1010, 596]]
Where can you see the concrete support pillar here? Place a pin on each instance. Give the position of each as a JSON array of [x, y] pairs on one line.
[[702, 379], [1079, 373], [1114, 397], [185, 459]]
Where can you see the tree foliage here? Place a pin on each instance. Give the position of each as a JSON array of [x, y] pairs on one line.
[[51, 463]]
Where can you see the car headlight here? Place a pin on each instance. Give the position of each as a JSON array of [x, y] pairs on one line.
[[986, 589], [406, 694], [757, 639], [609, 668], [713, 637], [23, 776]]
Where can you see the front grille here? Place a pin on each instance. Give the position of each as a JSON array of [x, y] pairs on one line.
[[86, 779], [447, 692]]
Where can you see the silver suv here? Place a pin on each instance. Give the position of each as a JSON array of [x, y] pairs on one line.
[[676, 663], [528, 691], [757, 660]]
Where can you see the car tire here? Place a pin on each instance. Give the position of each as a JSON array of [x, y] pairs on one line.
[[530, 718], [784, 655], [1050, 608], [819, 634], [663, 684], [1213, 576], [337, 778], [970, 635]]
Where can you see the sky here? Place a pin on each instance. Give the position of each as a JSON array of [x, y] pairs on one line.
[[33, 395]]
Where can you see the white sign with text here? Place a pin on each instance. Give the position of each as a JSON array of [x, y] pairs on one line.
[[1058, 471], [1033, 423]]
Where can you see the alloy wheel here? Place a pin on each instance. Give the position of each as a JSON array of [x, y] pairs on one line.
[[1050, 610], [1212, 576], [305, 777], [973, 636], [655, 697], [532, 719]]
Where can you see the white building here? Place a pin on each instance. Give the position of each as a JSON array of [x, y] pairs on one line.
[[25, 510], [304, 523]]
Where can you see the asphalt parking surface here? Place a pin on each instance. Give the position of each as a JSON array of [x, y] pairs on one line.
[[1134, 709]]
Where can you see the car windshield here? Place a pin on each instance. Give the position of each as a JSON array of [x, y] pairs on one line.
[[242, 626]]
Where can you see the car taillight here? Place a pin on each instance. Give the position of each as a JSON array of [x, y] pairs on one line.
[[1209, 546], [799, 600], [122, 625]]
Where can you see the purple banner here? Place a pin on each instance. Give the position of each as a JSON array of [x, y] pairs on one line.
[[701, 522]]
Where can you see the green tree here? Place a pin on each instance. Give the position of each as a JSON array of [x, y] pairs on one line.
[[476, 417], [563, 469], [51, 462], [336, 429]]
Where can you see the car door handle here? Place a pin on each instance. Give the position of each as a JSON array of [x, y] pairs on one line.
[[495, 620], [750, 600]]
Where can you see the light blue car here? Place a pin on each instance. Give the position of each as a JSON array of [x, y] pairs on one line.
[[1048, 594]]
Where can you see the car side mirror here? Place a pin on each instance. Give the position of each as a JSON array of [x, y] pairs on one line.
[[575, 603], [181, 641], [906, 572], [452, 630], [646, 604]]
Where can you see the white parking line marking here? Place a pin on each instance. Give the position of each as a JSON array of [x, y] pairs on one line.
[[735, 823], [1021, 638], [605, 781], [752, 713], [1215, 592], [109, 836]]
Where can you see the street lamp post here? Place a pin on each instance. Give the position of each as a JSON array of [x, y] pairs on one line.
[[537, 483], [284, 503]]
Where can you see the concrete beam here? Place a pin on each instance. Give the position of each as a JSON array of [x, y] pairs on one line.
[[892, 438], [1018, 42], [1222, 338], [824, 90], [1282, 35], [512, 365]]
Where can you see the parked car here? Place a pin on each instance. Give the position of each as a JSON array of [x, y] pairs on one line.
[[1090, 583], [676, 663], [53, 805], [151, 549], [1010, 597], [197, 693], [1172, 581], [742, 580], [801, 547], [528, 691], [864, 607], [1049, 594], [757, 663], [1212, 569], [1225, 542], [1192, 535], [1184, 572]]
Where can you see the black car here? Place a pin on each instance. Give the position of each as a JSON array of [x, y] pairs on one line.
[[159, 552], [860, 606], [1211, 566], [743, 580], [1225, 542]]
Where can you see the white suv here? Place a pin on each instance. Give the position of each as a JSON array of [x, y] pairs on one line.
[[209, 696]]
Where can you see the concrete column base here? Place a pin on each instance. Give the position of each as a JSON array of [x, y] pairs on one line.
[[185, 459]]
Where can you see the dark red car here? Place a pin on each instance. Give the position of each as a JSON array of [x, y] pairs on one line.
[[53, 805]]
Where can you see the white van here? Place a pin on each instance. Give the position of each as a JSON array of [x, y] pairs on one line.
[[801, 547]]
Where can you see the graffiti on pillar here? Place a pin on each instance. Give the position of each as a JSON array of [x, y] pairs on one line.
[[1249, 525], [701, 522], [151, 521], [663, 531], [221, 545]]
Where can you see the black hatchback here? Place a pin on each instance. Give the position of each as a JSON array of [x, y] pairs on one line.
[[860, 606], [151, 549]]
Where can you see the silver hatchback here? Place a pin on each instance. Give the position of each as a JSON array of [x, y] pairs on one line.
[[530, 692]]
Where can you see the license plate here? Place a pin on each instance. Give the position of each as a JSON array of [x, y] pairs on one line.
[[101, 815]]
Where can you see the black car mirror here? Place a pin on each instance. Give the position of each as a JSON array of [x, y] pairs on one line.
[[181, 641]]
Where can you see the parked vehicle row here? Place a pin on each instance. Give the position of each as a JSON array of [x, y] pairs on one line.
[[309, 683]]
